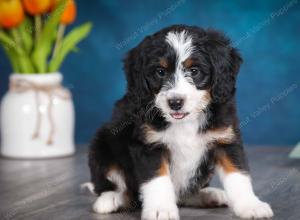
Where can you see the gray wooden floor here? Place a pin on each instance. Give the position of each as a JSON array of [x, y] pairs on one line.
[[49, 189]]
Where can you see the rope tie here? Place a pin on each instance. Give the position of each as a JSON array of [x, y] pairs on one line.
[[22, 85]]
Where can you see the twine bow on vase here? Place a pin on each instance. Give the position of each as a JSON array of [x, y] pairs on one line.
[[55, 90]]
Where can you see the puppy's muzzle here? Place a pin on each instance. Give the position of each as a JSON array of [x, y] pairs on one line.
[[176, 103]]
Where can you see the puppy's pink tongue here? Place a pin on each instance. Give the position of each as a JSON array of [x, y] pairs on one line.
[[178, 115]]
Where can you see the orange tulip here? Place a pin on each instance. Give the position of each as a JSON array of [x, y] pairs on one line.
[[11, 13], [69, 13], [37, 7]]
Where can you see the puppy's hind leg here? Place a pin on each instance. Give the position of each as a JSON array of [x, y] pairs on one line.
[[206, 198], [107, 179], [98, 166], [107, 202], [111, 201]]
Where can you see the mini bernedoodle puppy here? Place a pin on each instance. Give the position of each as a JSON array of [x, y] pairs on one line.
[[176, 125]]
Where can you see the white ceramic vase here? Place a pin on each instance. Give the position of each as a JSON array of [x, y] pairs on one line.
[[37, 117]]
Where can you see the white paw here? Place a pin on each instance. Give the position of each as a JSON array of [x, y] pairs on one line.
[[213, 197], [161, 213], [253, 208], [108, 202]]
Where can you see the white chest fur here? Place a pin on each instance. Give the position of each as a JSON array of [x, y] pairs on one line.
[[187, 151], [187, 148]]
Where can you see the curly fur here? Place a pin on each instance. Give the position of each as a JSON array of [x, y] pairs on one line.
[[157, 152]]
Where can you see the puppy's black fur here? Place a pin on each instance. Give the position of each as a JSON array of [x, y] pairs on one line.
[[122, 141]]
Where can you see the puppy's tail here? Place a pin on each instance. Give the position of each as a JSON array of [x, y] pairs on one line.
[[89, 187]]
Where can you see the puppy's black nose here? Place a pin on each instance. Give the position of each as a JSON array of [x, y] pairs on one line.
[[175, 103]]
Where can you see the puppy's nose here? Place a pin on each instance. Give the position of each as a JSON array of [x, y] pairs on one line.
[[175, 103]]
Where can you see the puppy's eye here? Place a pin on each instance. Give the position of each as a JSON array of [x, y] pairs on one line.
[[195, 71], [160, 72]]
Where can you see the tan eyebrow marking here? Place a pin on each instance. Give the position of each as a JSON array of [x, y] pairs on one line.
[[163, 62], [188, 63]]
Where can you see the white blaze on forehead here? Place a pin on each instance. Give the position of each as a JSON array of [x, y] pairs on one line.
[[182, 44]]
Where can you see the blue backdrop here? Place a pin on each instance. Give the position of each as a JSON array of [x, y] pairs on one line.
[[267, 34]]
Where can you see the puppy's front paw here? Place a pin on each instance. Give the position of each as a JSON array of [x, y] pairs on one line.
[[160, 213], [253, 208]]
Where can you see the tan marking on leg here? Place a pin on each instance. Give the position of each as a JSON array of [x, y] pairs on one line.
[[226, 164], [116, 175], [164, 168], [112, 168]]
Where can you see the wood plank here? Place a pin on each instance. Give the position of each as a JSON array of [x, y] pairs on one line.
[[49, 189]]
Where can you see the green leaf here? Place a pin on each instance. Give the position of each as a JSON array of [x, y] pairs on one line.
[[75, 50], [7, 40], [25, 30], [18, 58], [8, 45], [24, 62], [12, 58], [68, 44], [44, 44]]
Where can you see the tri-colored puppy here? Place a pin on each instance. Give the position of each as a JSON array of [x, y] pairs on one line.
[[175, 126]]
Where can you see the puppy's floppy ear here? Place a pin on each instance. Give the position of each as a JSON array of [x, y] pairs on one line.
[[133, 66], [226, 64]]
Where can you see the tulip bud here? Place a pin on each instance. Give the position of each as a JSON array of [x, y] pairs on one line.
[[11, 13], [69, 13], [37, 7]]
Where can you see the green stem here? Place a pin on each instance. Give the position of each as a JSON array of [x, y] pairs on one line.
[[12, 58], [24, 62], [16, 36], [59, 37], [17, 39], [38, 26]]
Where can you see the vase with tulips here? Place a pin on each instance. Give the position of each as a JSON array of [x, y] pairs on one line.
[[37, 115]]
